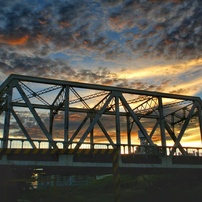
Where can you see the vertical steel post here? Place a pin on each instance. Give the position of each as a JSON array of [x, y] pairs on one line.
[[116, 172], [128, 133], [91, 134], [7, 117], [51, 119], [199, 107], [162, 125], [66, 117], [118, 136]]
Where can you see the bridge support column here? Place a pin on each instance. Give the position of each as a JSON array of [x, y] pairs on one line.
[[116, 176], [66, 117], [51, 119], [199, 107], [7, 118], [91, 134], [129, 127], [118, 131], [162, 126]]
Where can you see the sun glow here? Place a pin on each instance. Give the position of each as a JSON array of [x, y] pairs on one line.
[[160, 70]]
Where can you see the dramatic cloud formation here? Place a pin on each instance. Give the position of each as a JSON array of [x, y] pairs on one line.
[[144, 44]]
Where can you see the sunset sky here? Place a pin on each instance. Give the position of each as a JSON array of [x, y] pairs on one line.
[[142, 44]]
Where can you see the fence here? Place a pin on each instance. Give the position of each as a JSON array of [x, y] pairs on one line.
[[16, 143]]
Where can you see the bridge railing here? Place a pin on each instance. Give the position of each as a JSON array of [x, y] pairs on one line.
[[15, 143]]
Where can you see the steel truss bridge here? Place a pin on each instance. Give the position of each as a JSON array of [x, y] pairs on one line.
[[63, 124]]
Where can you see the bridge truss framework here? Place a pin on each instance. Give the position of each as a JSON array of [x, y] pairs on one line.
[[40, 112]]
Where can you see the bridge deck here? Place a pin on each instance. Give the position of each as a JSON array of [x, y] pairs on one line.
[[86, 161]]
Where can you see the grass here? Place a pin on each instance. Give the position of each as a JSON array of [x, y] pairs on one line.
[[143, 188]]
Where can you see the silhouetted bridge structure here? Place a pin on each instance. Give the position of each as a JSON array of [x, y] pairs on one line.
[[70, 127], [99, 161]]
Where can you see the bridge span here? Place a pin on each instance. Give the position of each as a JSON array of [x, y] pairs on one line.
[[61, 124]]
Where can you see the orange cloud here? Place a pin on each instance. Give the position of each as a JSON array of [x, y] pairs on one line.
[[14, 41], [42, 39], [118, 22], [64, 24]]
